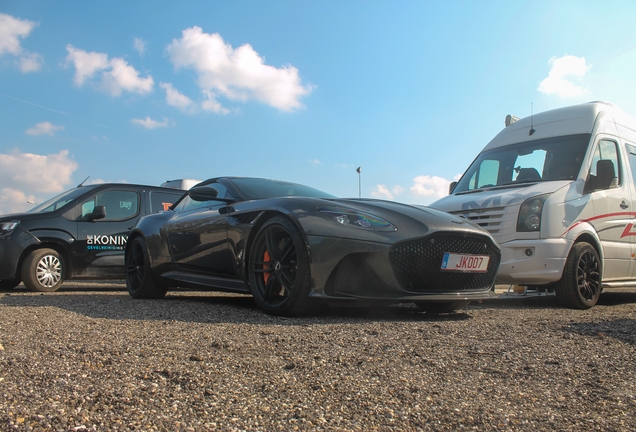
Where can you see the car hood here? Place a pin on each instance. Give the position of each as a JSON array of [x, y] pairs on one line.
[[27, 216], [410, 221]]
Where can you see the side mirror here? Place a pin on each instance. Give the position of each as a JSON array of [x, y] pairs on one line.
[[99, 212], [203, 193], [451, 187]]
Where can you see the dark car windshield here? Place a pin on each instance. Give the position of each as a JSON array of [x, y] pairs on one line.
[[59, 201], [549, 159], [252, 188]]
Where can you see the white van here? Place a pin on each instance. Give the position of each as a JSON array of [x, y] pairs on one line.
[[557, 191]]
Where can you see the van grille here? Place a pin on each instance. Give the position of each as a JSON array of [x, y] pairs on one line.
[[417, 265], [490, 219]]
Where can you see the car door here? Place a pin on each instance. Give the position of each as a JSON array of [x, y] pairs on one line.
[[611, 196], [101, 242], [197, 236]]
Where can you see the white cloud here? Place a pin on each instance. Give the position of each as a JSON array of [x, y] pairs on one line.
[[430, 186], [28, 176], [15, 201], [11, 31], [44, 128], [315, 161], [175, 98], [31, 62], [149, 123], [237, 74], [563, 72], [115, 75], [140, 46], [383, 192], [122, 77]]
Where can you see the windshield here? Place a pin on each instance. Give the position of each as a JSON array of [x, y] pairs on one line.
[[59, 201], [549, 159], [251, 188]]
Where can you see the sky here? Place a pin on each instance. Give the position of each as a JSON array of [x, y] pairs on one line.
[[409, 91]]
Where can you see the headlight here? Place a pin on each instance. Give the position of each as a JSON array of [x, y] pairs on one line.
[[8, 226], [530, 214], [357, 219]]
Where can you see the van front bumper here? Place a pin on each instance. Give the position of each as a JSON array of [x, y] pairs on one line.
[[533, 262]]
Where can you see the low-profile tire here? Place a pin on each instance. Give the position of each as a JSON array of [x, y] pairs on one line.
[[442, 306], [9, 284], [43, 270], [280, 277], [580, 285], [139, 279]]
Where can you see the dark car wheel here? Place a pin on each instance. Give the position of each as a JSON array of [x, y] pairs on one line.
[[442, 306], [279, 269], [139, 279], [43, 270], [580, 285], [8, 284]]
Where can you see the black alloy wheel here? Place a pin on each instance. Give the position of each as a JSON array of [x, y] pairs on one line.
[[279, 269], [139, 279], [580, 285]]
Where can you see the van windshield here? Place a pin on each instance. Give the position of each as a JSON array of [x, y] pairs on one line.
[[549, 159]]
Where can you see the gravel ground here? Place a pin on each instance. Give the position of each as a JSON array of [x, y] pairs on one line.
[[91, 358]]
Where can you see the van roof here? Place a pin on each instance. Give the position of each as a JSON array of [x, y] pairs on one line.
[[576, 119]]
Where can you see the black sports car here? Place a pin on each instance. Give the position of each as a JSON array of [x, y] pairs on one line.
[[290, 246]]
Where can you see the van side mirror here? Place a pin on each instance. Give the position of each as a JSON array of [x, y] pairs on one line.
[[451, 187], [99, 212], [605, 177]]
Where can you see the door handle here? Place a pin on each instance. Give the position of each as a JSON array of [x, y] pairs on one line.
[[624, 205]]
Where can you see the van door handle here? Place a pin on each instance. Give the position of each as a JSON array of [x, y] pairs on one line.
[[624, 205]]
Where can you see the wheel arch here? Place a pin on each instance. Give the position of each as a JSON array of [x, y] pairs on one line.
[[260, 221], [58, 247]]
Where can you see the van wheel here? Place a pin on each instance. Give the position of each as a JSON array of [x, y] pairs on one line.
[[9, 284], [580, 285], [43, 270], [442, 306], [139, 280]]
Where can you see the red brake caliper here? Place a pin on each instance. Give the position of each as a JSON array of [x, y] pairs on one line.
[[267, 259]]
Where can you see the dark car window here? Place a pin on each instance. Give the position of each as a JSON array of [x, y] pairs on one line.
[[252, 188], [59, 201], [188, 204], [120, 205], [160, 201]]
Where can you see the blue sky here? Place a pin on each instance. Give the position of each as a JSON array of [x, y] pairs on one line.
[[147, 91]]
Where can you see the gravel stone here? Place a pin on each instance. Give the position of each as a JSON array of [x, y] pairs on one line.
[[90, 357]]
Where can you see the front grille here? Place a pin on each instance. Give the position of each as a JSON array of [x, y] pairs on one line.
[[417, 265], [490, 219]]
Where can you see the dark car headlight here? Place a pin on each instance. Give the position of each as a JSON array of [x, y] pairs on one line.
[[8, 226], [357, 219]]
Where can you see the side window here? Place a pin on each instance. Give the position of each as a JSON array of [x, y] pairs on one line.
[[486, 175], [632, 161], [160, 201], [605, 170], [120, 205], [188, 204]]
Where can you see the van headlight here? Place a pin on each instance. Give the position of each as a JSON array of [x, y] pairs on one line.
[[529, 219], [8, 226]]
